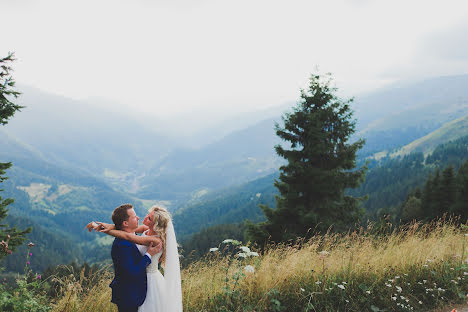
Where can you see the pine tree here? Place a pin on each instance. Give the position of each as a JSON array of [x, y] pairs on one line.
[[10, 237], [460, 208], [321, 166], [448, 190]]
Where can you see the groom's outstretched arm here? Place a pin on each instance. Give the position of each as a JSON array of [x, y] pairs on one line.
[[123, 257]]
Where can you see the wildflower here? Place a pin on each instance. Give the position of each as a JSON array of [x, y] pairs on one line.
[[30, 253], [465, 273], [394, 298], [344, 283], [318, 282], [454, 282], [405, 274], [226, 241], [214, 249], [399, 289], [31, 244], [341, 286], [38, 276], [440, 289], [253, 254], [242, 255], [424, 281], [28, 263], [420, 302], [452, 269], [302, 289], [388, 285], [368, 292], [398, 276], [249, 269], [425, 265], [245, 249], [347, 301], [402, 298], [391, 281]]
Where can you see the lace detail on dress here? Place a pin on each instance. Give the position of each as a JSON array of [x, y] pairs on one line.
[[153, 266]]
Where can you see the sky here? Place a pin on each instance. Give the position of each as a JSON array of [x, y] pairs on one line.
[[167, 57]]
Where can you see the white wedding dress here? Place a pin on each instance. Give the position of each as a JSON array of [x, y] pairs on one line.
[[164, 293], [155, 293]]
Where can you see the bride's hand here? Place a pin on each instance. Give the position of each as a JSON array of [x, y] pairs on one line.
[[105, 227], [91, 226]]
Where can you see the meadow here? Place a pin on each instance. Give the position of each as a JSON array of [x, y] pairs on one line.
[[414, 268]]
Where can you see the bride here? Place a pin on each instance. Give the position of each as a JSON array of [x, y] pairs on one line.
[[164, 293]]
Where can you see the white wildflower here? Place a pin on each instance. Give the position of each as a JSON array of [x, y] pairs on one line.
[[302, 289], [341, 286], [425, 265], [420, 302], [388, 285], [399, 289], [214, 249], [424, 281], [245, 249], [242, 255], [249, 269], [454, 282], [226, 241], [253, 254], [394, 298], [368, 292], [402, 298], [347, 301], [318, 282], [398, 276], [344, 283], [465, 273]]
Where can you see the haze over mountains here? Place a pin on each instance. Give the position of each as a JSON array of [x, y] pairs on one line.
[[75, 161]]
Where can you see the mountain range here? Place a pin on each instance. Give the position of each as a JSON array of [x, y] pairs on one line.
[[75, 161]]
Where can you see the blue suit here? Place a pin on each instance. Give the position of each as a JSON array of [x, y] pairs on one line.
[[129, 283]]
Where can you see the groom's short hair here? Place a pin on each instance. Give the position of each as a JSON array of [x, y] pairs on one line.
[[120, 214]]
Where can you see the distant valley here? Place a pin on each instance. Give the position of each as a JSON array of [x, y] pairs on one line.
[[74, 162]]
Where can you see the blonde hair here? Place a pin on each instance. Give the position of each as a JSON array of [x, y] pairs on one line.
[[161, 219]]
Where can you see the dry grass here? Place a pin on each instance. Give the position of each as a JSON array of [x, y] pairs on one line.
[[287, 269]]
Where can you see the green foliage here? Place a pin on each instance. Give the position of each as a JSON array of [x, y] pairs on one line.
[[232, 205], [10, 237], [200, 243], [321, 166], [7, 84], [28, 293]]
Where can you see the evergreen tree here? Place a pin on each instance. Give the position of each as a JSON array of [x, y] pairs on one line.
[[460, 208], [320, 168], [10, 237], [448, 190]]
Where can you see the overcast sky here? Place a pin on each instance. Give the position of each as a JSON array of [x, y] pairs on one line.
[[169, 56]]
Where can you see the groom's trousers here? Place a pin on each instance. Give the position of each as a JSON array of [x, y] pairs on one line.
[[127, 309]]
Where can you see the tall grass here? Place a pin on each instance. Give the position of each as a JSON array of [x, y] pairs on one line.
[[416, 267]]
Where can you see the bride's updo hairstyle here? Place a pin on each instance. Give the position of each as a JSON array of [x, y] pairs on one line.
[[161, 219]]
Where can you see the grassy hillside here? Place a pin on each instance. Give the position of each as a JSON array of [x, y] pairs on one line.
[[411, 269], [427, 144]]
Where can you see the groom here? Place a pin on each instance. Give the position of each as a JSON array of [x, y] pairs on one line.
[[129, 284]]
